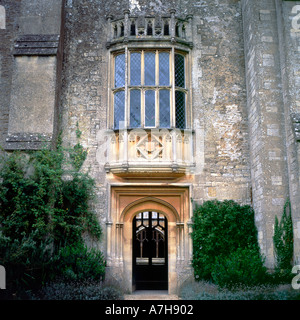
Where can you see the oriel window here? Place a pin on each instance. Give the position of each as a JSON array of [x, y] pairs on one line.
[[149, 89]]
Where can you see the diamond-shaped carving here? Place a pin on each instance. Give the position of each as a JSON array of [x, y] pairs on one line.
[[149, 147]]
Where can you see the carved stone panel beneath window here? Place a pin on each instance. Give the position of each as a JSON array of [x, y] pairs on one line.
[[153, 150]]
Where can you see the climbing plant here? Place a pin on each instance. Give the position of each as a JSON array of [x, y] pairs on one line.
[[283, 242], [44, 207]]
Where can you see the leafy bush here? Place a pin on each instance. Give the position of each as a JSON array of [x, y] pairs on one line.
[[34, 198], [72, 216], [42, 212], [80, 263], [283, 244], [27, 262], [225, 238], [27, 186], [241, 266]]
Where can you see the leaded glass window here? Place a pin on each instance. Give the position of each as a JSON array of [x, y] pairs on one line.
[[164, 108], [150, 108], [135, 69], [149, 68], [180, 95], [119, 109], [179, 71], [119, 95], [180, 109], [149, 89], [135, 108], [120, 70], [164, 69]]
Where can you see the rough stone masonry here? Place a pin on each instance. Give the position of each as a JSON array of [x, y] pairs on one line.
[[243, 106]]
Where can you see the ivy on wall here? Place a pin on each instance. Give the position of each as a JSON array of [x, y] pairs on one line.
[[283, 242]]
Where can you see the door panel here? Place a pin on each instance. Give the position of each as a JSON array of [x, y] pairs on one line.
[[150, 256]]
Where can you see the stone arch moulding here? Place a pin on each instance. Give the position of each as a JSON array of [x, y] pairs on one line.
[[126, 202], [150, 204]]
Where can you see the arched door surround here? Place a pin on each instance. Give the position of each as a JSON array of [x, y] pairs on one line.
[[126, 204]]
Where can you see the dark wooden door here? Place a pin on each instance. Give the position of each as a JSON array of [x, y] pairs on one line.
[[150, 251]]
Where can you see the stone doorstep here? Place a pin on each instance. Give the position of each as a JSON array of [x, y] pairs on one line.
[[150, 295]]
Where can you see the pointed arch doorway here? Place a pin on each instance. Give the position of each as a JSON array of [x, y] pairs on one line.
[[150, 251], [129, 215], [168, 204]]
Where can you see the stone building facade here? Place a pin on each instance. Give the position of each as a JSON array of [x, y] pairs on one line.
[[178, 102]]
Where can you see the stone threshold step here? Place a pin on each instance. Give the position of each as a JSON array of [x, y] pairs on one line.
[[150, 295]]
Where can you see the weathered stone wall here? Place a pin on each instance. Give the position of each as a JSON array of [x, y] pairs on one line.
[[266, 118], [289, 33], [219, 102], [84, 89], [30, 59], [8, 31], [40, 17], [270, 32], [218, 92], [244, 96], [30, 110]]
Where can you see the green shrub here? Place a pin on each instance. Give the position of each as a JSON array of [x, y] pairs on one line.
[[28, 263], [222, 232], [78, 262], [72, 215], [41, 212], [243, 266], [34, 198], [283, 244]]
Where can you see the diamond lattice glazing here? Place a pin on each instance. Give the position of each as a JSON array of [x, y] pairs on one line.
[[120, 71], [180, 109], [179, 71]]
